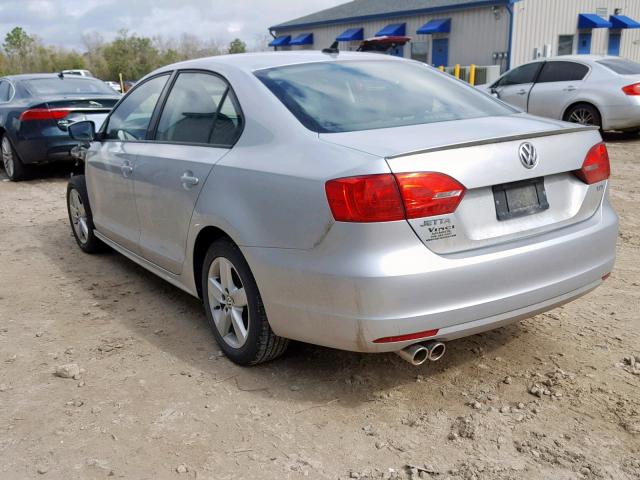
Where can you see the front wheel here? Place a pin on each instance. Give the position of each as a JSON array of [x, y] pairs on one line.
[[234, 307], [584, 114], [13, 166], [80, 216]]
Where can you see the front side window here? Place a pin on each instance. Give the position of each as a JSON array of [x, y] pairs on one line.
[[565, 45], [199, 109], [130, 120], [562, 72], [346, 96], [524, 74]]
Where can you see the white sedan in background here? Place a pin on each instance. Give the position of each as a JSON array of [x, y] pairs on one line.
[[585, 89]]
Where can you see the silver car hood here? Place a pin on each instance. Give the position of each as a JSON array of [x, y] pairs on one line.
[[390, 142]]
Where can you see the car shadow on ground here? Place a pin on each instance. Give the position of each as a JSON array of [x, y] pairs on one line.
[[175, 323], [620, 137], [46, 172]]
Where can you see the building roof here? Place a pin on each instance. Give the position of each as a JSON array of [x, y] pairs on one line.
[[360, 10]]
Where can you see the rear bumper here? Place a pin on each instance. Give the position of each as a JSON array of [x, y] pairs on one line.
[[45, 149], [621, 117], [365, 282]]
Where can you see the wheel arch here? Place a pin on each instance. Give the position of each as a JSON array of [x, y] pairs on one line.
[[575, 103], [205, 238]]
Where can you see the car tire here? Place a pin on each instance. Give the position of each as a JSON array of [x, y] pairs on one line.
[[584, 114], [80, 217], [13, 166], [234, 307]]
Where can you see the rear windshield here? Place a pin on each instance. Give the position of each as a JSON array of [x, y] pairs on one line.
[[364, 95], [68, 85], [621, 66]]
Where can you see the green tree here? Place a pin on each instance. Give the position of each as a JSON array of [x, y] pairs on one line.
[[17, 42], [237, 46], [130, 55], [17, 47]]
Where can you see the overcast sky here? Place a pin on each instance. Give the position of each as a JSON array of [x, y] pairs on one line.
[[62, 22]]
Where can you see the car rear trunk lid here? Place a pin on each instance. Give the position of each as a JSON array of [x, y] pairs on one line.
[[95, 109], [483, 155]]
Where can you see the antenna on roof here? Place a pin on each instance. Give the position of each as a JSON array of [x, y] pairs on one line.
[[332, 49], [61, 75]]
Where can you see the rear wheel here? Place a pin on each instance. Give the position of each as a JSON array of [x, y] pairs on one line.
[[80, 216], [234, 307], [584, 114], [13, 166]]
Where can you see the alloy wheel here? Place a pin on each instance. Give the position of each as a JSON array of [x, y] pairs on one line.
[[78, 216], [7, 157], [582, 116], [228, 301]]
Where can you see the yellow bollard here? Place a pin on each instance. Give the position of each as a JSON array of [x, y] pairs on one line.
[[441, 68], [472, 74], [121, 84], [456, 71]]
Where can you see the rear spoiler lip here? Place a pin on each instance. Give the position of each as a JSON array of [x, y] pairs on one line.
[[487, 141]]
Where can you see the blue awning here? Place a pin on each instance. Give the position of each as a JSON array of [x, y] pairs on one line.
[[303, 39], [351, 35], [442, 25], [622, 21], [591, 20], [281, 41], [393, 30]]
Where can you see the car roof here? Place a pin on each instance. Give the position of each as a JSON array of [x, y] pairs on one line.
[[260, 60], [577, 58]]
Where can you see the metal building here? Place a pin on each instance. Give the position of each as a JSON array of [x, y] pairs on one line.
[[482, 32]]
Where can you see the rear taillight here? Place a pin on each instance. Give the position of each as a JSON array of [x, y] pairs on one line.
[[43, 114], [371, 198], [633, 90], [388, 197], [595, 167], [429, 194]]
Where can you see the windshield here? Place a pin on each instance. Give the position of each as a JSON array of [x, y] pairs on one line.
[[621, 66], [68, 85], [363, 95]]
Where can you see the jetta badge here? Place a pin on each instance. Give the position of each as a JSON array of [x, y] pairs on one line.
[[528, 155]]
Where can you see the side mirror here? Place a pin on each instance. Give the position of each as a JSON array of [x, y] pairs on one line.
[[494, 92], [84, 131]]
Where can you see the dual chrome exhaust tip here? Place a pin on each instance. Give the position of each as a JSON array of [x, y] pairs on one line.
[[419, 353]]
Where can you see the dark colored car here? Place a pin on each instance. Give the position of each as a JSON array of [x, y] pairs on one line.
[[35, 110], [384, 44]]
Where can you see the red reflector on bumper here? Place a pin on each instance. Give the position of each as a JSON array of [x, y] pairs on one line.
[[606, 276], [409, 336]]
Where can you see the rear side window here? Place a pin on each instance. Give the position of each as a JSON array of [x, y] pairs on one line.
[[621, 66], [199, 110], [562, 72], [520, 75], [67, 85], [130, 120], [5, 91]]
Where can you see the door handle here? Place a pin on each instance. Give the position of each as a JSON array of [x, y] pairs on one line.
[[522, 92], [188, 180], [570, 88], [126, 169]]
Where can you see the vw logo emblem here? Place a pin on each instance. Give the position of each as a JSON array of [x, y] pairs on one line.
[[528, 155]]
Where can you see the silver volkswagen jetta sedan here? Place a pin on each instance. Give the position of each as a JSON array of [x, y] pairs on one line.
[[352, 200]]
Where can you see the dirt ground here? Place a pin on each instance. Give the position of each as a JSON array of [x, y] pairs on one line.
[[156, 400]]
